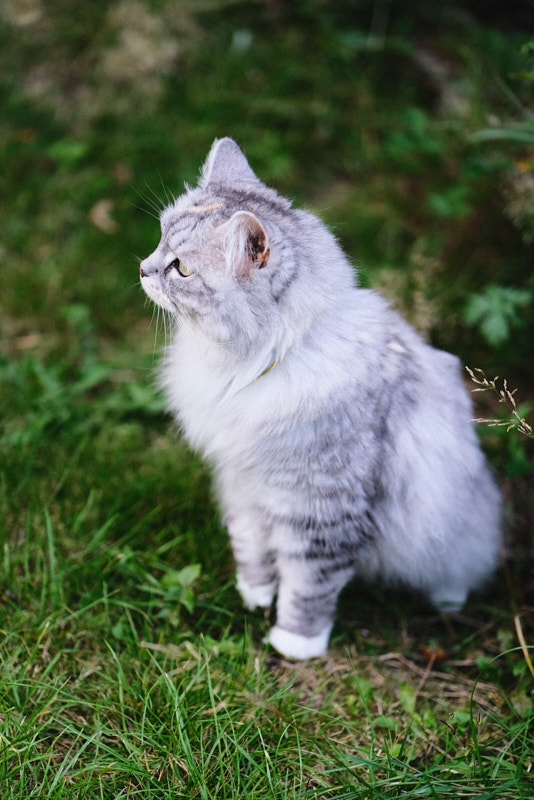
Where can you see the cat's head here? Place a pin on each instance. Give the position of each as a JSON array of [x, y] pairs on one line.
[[233, 253]]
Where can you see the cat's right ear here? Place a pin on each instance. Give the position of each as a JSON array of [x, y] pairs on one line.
[[246, 243], [226, 163]]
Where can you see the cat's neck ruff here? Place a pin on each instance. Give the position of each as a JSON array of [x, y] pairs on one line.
[[244, 375], [275, 359]]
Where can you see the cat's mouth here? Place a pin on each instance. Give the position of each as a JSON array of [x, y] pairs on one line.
[[154, 292]]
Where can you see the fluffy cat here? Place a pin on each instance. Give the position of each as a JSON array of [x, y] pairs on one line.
[[341, 443]]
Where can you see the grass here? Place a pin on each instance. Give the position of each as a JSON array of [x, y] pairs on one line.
[[127, 666]]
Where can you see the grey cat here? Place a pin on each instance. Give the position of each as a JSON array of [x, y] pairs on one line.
[[341, 443]]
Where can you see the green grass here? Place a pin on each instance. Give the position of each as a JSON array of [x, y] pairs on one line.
[[128, 668]]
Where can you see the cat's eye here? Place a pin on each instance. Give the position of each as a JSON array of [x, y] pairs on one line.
[[179, 267]]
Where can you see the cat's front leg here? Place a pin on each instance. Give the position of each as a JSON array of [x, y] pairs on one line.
[[308, 592], [255, 562], [255, 595]]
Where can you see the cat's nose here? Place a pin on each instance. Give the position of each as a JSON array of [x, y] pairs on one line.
[[146, 269]]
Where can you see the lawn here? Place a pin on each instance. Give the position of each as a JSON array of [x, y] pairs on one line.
[[128, 668]]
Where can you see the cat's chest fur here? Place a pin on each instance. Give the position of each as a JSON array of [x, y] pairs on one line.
[[226, 408]]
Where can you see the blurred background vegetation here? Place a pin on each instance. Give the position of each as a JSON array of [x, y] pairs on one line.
[[407, 125]]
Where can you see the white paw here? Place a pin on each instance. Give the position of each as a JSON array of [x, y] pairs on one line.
[[261, 596], [293, 645], [449, 599]]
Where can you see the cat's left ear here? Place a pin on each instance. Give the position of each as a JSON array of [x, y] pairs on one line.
[[247, 243], [226, 163]]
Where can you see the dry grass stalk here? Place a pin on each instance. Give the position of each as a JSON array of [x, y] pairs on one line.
[[506, 397], [522, 642]]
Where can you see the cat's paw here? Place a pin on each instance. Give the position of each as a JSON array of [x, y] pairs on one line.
[[293, 645], [449, 599], [261, 596]]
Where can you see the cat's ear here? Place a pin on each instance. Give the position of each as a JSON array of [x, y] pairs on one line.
[[247, 243], [226, 163]]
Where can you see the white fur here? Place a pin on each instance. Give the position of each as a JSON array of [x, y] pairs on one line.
[[260, 596], [293, 645]]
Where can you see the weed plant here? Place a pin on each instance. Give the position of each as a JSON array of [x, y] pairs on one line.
[[127, 667]]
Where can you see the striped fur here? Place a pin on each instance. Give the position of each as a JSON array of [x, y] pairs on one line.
[[341, 443]]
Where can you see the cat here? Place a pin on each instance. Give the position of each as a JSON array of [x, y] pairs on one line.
[[341, 443]]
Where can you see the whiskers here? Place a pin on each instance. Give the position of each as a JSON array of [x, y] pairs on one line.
[[168, 321], [164, 322], [152, 203]]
